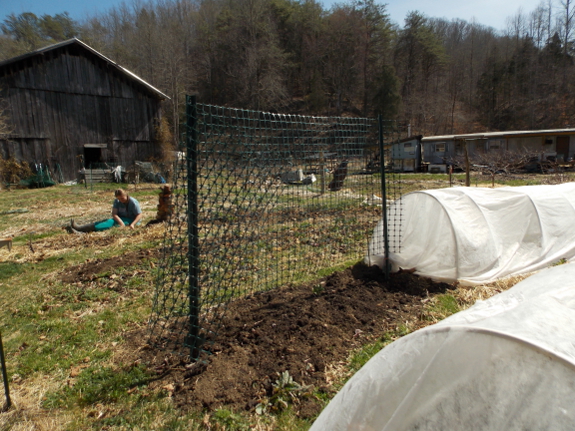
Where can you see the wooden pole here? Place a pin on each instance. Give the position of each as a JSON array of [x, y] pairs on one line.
[[467, 166]]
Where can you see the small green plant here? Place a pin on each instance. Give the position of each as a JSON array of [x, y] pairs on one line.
[[560, 262], [286, 391], [318, 288]]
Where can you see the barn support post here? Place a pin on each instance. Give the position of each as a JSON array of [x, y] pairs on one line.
[[193, 339], [383, 197], [4, 376]]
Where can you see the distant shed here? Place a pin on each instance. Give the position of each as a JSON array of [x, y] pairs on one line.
[[552, 144], [71, 107], [406, 154]]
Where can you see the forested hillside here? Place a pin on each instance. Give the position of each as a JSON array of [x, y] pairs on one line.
[[293, 56]]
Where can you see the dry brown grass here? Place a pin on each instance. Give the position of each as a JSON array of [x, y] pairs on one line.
[[44, 217], [27, 413], [467, 296]]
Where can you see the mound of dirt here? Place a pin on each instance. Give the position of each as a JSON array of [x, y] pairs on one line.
[[304, 330]]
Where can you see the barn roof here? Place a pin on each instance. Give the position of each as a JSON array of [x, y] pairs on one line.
[[81, 44], [508, 134]]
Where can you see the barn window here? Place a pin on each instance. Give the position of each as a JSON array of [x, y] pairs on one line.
[[440, 148]]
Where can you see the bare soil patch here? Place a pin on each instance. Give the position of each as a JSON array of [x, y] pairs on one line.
[[90, 270], [305, 330]]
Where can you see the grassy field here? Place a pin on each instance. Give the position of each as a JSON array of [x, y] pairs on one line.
[[64, 338]]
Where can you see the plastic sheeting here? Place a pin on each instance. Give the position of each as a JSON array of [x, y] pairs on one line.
[[478, 235], [507, 363]]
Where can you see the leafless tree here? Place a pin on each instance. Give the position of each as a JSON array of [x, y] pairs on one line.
[[517, 26], [539, 25]]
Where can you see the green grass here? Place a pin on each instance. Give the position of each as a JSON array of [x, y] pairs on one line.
[[442, 306], [360, 358], [409, 182], [98, 385], [9, 270]]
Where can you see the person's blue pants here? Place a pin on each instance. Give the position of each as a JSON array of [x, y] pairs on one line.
[[107, 224]]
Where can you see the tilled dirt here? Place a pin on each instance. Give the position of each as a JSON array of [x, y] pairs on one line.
[[304, 330]]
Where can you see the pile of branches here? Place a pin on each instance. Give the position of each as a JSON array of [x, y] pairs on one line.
[[497, 162]]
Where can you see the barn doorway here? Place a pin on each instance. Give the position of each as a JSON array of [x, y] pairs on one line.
[[93, 155]]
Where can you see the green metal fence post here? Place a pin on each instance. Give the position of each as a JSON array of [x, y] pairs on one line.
[[383, 197], [4, 375], [193, 241]]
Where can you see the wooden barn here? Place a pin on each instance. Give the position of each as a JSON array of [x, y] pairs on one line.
[[70, 107]]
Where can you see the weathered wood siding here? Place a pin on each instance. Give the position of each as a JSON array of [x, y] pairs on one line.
[[66, 98]]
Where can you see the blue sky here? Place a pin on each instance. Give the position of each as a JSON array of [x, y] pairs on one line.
[[487, 12]]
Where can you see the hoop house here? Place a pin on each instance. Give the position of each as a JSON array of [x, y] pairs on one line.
[[507, 363], [478, 235]]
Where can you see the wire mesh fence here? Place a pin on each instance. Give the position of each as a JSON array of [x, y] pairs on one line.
[[262, 200]]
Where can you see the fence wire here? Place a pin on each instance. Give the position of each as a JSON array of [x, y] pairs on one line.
[[262, 200]]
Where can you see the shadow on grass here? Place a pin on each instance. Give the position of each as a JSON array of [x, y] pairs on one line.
[[9, 269]]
